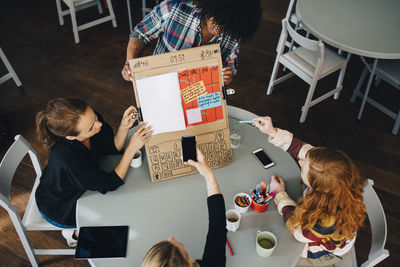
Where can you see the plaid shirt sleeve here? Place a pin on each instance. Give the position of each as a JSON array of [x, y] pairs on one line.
[[152, 24]]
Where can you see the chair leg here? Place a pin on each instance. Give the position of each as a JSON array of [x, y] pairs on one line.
[[340, 81], [99, 7], [359, 84], [10, 70], [74, 24], [309, 97], [144, 8], [110, 8], [367, 88], [23, 237], [396, 126], [59, 11], [377, 81], [273, 76]]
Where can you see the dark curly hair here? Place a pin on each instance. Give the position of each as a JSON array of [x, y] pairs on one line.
[[237, 18]]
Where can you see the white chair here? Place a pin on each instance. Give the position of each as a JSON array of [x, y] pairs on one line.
[[32, 220], [377, 220], [145, 9], [76, 5], [311, 61], [389, 71], [292, 17], [11, 73]]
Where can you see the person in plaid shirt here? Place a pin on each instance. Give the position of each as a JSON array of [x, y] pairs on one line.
[[181, 24]]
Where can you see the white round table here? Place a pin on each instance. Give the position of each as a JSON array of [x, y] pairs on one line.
[[367, 28], [178, 207]]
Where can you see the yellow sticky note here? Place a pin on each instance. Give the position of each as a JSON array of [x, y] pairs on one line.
[[193, 91]]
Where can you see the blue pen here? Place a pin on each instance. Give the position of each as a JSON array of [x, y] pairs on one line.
[[251, 122]]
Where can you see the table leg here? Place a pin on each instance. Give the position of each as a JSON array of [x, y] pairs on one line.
[[371, 77], [128, 3]]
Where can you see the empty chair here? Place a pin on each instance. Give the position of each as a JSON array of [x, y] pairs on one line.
[[377, 220], [389, 71], [11, 73], [311, 61], [76, 5], [145, 9], [32, 220]]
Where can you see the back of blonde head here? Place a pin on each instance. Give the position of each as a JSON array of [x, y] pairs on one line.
[[166, 254], [335, 194]]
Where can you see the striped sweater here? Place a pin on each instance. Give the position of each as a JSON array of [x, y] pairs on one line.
[[318, 240]]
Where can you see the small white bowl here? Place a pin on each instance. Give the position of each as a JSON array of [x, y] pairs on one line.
[[239, 208]]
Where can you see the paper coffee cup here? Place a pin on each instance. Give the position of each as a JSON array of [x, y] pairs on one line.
[[265, 243], [137, 160], [232, 220]]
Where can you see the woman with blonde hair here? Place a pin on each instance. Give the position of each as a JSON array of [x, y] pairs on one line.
[[78, 137], [331, 210], [171, 253]]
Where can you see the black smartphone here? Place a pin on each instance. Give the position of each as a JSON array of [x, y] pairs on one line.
[[263, 158], [189, 148]]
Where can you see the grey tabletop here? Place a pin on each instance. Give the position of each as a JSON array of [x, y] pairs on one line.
[[178, 207], [363, 27]]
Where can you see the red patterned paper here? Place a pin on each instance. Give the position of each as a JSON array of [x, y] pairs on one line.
[[210, 77]]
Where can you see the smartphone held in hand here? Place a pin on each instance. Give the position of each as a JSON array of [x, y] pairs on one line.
[[189, 148]]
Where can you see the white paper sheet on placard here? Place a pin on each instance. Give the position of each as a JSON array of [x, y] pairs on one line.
[[193, 115], [161, 103]]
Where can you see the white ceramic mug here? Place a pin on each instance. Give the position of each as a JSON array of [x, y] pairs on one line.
[[232, 220], [265, 243], [137, 160]]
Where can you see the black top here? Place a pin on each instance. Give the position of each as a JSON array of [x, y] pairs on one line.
[[214, 251], [71, 170]]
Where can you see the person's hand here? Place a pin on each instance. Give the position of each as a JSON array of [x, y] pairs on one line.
[[126, 72], [201, 164], [140, 137], [127, 121], [264, 124], [227, 75], [277, 184]]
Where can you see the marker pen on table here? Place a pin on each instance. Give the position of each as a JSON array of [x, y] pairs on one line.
[[229, 247]]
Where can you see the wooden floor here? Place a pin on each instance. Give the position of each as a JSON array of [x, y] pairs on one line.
[[51, 65]]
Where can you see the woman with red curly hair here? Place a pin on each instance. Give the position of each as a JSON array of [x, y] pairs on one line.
[[331, 210]]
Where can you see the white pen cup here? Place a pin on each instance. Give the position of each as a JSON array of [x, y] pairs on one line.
[[137, 160], [232, 220]]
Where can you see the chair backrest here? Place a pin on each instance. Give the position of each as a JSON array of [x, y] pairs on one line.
[[290, 9], [10, 163], [377, 219], [389, 70], [301, 40]]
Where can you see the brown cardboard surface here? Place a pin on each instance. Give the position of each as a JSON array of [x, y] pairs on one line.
[[164, 150]]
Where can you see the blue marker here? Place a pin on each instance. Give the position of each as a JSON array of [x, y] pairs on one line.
[[251, 122]]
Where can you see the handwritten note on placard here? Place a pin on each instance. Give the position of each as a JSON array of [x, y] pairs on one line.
[[193, 91], [209, 101]]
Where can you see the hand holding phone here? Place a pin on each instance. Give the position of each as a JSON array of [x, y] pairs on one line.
[[263, 158], [189, 148]]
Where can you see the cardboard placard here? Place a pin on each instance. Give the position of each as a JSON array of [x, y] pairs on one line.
[[205, 113]]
